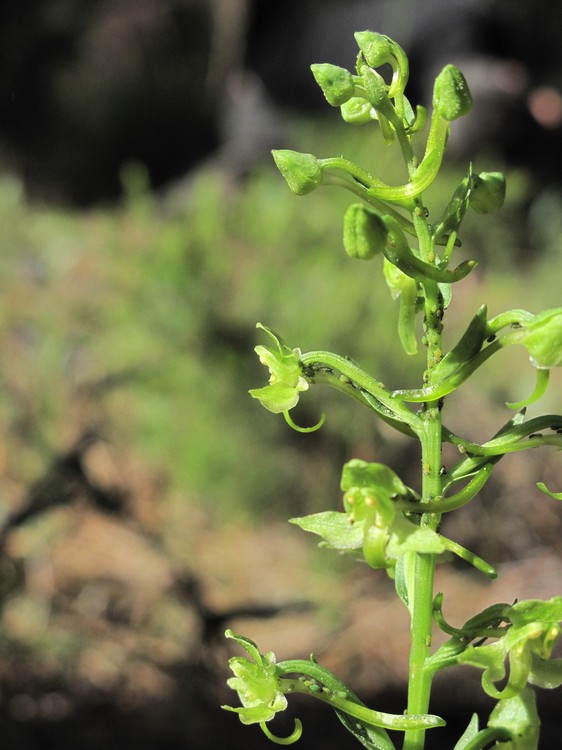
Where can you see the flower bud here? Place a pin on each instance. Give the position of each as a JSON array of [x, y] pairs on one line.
[[375, 87], [488, 192], [364, 232], [335, 82], [543, 339], [451, 95], [376, 48], [302, 172], [356, 111]]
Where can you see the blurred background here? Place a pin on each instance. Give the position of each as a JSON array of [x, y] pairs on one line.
[[143, 233]]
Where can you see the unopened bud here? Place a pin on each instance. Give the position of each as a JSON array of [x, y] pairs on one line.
[[302, 172], [376, 48], [357, 111], [335, 82], [488, 192], [451, 95], [364, 232]]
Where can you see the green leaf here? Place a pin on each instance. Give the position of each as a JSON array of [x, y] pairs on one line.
[[335, 528], [373, 738], [453, 214], [399, 253], [469, 733], [467, 347]]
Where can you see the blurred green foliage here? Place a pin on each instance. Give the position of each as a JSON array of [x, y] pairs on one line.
[[139, 322]]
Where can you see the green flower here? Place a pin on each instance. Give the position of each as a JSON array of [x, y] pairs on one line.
[[256, 683], [542, 337], [488, 192], [371, 522], [286, 379], [527, 646]]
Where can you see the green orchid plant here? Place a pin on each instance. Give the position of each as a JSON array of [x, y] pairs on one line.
[[385, 523]]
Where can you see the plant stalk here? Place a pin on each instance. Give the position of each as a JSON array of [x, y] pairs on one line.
[[421, 605]]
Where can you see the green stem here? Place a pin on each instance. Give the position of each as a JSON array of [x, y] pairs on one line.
[[350, 370], [421, 603], [365, 715]]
